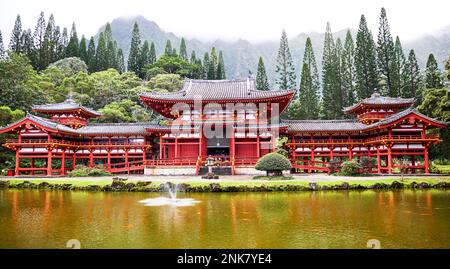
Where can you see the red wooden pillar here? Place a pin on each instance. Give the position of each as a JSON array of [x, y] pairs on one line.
[[331, 153], [91, 158], [49, 162], [127, 165], [161, 147], [350, 153], [109, 158], [311, 164], [63, 161], [378, 160], [425, 160], [144, 151], [176, 147], [389, 159], [17, 172], [258, 151]]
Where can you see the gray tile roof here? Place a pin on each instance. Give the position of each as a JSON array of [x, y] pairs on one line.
[[69, 105], [118, 128], [377, 99], [324, 125], [218, 90]]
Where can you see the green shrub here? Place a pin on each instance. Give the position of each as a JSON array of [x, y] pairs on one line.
[[273, 177], [334, 165], [367, 164], [83, 171], [350, 168], [273, 163]]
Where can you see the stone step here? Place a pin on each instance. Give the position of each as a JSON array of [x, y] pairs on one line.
[[218, 170]]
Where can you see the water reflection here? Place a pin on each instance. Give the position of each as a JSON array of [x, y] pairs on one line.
[[399, 219]]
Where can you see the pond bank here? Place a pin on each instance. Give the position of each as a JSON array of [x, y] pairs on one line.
[[226, 186]]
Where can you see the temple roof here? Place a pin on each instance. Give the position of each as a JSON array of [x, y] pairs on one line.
[[377, 100], [217, 90], [67, 105], [353, 125], [323, 125]]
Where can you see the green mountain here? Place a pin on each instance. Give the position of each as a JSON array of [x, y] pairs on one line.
[[241, 56]]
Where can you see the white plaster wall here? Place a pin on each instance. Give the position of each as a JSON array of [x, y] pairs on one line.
[[169, 171]]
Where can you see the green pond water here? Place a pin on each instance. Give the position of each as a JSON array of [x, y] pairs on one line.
[[330, 219]]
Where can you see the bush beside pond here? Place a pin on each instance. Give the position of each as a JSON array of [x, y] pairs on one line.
[[217, 187]]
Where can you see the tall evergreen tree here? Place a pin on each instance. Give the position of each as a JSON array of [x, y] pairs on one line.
[[386, 61], [38, 43], [174, 52], [50, 44], [433, 77], [340, 91], [206, 63], [168, 49], [220, 74], [144, 58], [90, 56], [152, 56], [62, 44], [285, 68], [310, 60], [108, 33], [262, 83], [193, 59], [135, 47], [26, 43], [400, 61], [212, 67], [111, 54], [2, 48], [120, 61], [101, 54], [332, 95], [73, 46], [14, 43], [83, 50], [308, 96], [411, 77], [348, 70], [183, 50], [365, 61]]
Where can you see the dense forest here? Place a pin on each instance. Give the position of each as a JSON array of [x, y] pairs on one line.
[[49, 64]]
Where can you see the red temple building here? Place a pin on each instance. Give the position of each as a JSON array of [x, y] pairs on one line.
[[228, 120]]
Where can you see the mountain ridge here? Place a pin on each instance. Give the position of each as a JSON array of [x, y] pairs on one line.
[[241, 56]]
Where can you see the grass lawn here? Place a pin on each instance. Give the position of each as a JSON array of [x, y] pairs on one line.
[[443, 168]]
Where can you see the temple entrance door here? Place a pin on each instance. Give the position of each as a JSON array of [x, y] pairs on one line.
[[219, 147]]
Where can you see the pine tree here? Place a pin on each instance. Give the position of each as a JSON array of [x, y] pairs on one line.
[[310, 60], [365, 62], [57, 42], [174, 52], [262, 83], [90, 56], [285, 67], [212, 67], [62, 44], [340, 92], [83, 50], [220, 67], [38, 43], [332, 95], [206, 64], [433, 79], [144, 58], [108, 33], [50, 44], [152, 56], [120, 61], [386, 57], [14, 43], [183, 51], [26, 43], [348, 70], [411, 77], [308, 99], [111, 54], [193, 59], [72, 48], [400, 64], [101, 54], [168, 49], [2, 48], [135, 47]]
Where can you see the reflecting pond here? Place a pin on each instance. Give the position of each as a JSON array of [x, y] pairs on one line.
[[328, 219]]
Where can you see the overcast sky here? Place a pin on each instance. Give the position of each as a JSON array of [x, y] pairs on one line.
[[254, 20]]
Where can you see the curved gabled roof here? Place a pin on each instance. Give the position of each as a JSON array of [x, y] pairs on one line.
[[324, 125], [45, 123], [217, 91], [69, 105], [377, 100]]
